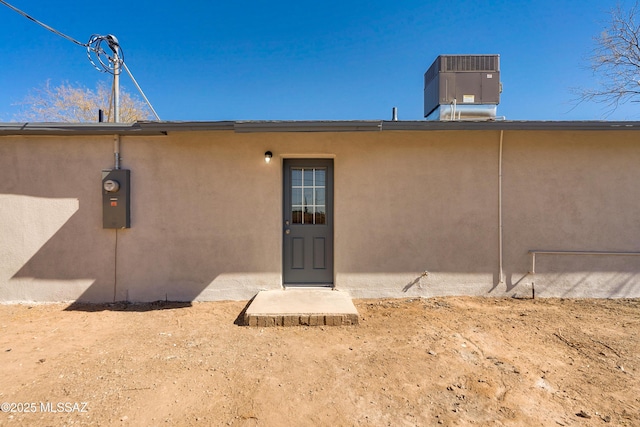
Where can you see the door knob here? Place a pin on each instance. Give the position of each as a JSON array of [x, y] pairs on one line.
[[287, 231]]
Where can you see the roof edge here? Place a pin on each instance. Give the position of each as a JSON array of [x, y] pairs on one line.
[[58, 128], [163, 128]]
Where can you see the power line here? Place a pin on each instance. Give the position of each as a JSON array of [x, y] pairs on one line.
[[93, 45], [42, 24]]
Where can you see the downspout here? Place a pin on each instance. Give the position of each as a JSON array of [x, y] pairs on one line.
[[501, 279]]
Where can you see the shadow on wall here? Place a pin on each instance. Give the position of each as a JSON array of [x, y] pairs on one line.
[[416, 281], [183, 240], [597, 276], [608, 284], [54, 249], [76, 250], [72, 253], [601, 276], [64, 254], [50, 205], [45, 252]]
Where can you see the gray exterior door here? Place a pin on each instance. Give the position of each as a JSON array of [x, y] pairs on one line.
[[308, 222]]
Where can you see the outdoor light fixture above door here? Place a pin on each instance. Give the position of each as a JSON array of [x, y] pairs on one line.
[[267, 157]]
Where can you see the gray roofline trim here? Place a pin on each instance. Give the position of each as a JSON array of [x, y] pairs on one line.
[[163, 128], [509, 125], [179, 126], [58, 128], [308, 126]]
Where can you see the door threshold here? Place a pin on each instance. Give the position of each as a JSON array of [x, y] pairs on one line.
[[314, 286]]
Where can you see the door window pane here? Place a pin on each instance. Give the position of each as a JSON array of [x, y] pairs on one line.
[[321, 216], [296, 177], [308, 216], [296, 196], [308, 178], [296, 215], [308, 195]]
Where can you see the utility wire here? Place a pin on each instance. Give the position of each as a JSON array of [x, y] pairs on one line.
[[140, 90], [53, 30]]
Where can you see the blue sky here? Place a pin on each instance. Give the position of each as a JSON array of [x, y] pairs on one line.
[[302, 60]]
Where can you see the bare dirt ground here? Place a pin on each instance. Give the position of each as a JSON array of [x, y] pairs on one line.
[[439, 361]]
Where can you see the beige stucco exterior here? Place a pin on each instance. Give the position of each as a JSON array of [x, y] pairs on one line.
[[417, 212]]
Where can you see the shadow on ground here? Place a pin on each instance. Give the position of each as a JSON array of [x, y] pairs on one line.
[[240, 320], [127, 306]]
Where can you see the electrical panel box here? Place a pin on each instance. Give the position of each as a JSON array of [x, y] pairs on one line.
[[463, 80], [116, 198]]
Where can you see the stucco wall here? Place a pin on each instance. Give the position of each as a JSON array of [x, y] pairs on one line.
[[411, 203], [575, 192], [416, 213], [53, 247]]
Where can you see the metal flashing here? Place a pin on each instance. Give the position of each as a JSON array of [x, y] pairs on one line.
[[163, 128], [308, 126], [497, 125], [190, 126], [58, 128]]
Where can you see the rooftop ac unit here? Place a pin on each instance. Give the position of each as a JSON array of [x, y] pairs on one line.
[[458, 87]]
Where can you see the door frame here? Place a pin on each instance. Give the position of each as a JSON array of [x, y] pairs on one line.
[[306, 162]]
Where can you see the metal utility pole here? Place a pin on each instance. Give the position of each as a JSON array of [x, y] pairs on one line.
[[111, 64], [116, 61], [116, 88]]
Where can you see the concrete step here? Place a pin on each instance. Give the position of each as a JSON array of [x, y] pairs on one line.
[[301, 306]]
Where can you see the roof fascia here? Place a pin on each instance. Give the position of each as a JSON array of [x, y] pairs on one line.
[[509, 125], [308, 126], [57, 128], [163, 128]]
